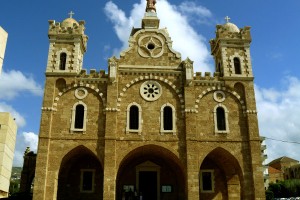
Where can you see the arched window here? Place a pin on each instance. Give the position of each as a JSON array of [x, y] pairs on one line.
[[79, 116], [62, 61], [237, 65], [134, 118], [167, 119], [79, 113], [221, 124], [221, 119]]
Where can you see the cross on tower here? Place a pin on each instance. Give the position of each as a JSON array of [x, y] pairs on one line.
[[227, 19], [71, 14]]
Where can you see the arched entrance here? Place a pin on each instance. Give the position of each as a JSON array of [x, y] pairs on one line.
[[220, 176], [80, 176], [153, 172]]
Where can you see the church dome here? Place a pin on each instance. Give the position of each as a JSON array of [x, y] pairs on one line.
[[231, 27], [69, 22]]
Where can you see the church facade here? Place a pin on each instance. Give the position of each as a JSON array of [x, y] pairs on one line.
[[150, 127]]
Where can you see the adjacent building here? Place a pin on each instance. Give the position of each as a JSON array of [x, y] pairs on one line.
[[151, 126], [283, 168], [3, 41], [8, 131]]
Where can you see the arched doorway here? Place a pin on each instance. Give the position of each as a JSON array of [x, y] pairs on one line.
[[80, 176], [220, 176], [153, 172]]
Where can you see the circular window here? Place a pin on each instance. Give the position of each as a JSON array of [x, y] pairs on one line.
[[81, 93], [150, 90], [150, 46], [219, 96]]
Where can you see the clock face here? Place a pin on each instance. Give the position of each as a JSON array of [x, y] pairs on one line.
[[150, 90]]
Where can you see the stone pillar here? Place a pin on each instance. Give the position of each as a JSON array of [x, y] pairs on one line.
[[110, 171], [42, 160], [192, 172], [39, 190]]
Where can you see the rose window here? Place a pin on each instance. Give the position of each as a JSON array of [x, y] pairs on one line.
[[150, 90], [150, 46]]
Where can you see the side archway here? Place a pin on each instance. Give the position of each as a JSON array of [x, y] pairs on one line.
[[220, 176], [152, 172], [80, 176]]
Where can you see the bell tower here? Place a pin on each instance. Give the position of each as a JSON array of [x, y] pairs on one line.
[[67, 46], [231, 50]]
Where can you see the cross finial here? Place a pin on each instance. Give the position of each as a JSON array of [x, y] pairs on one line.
[[71, 14], [227, 19]]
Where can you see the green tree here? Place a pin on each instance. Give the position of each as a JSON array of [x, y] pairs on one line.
[[285, 189]]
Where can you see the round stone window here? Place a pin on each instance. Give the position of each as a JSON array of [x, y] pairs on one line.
[[150, 90], [219, 96], [81, 93]]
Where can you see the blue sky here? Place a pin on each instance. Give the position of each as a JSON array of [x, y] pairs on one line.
[[275, 51]]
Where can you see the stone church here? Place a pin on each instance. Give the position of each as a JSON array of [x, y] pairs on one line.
[[150, 128]]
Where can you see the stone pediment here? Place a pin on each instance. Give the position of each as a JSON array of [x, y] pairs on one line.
[[150, 47]]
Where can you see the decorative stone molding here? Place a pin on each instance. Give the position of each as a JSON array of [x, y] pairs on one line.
[[219, 96], [151, 77], [250, 112], [150, 46], [188, 66], [139, 130], [224, 89], [49, 109], [150, 90], [226, 119], [242, 65], [80, 85], [80, 93], [57, 59], [72, 128], [113, 68], [162, 130], [111, 109]]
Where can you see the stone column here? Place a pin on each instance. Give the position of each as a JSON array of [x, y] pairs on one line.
[[109, 182], [192, 172]]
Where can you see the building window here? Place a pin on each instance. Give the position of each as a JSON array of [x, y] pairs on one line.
[[79, 113], [134, 118], [79, 116], [167, 119], [62, 61], [207, 181], [87, 180], [237, 65], [221, 119]]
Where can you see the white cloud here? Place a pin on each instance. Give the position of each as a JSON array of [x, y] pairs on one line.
[[193, 8], [29, 139], [20, 120], [185, 38], [12, 83], [278, 114]]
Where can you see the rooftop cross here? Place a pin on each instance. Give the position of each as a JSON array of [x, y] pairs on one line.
[[227, 19], [71, 14]]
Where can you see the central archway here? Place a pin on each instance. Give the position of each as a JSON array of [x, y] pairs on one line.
[[153, 172], [80, 176]]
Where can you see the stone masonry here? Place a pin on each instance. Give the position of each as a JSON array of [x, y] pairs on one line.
[[150, 121]]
